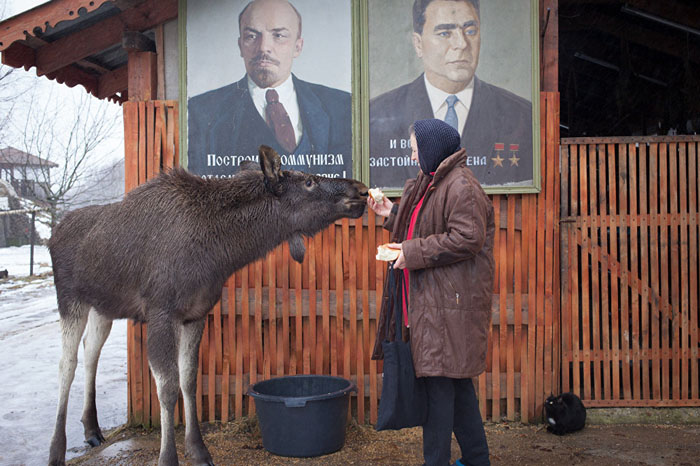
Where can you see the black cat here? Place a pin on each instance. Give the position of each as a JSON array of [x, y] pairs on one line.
[[564, 413]]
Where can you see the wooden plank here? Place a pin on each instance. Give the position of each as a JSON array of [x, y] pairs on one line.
[[246, 330], [211, 369], [663, 277], [199, 392], [272, 349], [524, 348], [693, 175], [683, 349], [284, 259], [585, 278], [149, 136], [339, 321], [369, 330], [614, 284], [655, 315], [550, 247], [566, 271], [348, 341], [510, 335], [159, 136], [675, 277], [532, 305], [498, 341], [311, 347], [140, 415], [595, 271], [605, 265], [298, 322], [142, 143], [174, 137], [634, 271], [644, 263], [355, 335], [131, 143], [556, 298], [325, 347], [623, 187]]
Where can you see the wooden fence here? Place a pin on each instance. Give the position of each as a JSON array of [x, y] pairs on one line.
[[277, 317], [630, 256]]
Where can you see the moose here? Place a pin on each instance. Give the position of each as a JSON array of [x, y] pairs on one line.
[[161, 256]]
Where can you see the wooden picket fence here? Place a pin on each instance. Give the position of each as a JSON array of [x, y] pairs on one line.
[[277, 317], [630, 256]]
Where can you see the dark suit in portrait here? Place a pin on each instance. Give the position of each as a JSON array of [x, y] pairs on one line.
[[498, 127], [225, 128]]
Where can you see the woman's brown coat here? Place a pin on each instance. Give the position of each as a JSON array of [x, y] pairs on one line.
[[450, 260]]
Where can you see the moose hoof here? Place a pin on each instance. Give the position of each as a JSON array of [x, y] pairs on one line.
[[56, 462], [94, 437], [95, 440]]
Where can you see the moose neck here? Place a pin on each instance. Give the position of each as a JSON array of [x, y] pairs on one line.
[[240, 243]]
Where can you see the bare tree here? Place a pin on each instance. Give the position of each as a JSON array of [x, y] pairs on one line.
[[13, 84], [76, 136]]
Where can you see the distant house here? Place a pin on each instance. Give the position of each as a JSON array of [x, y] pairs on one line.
[[24, 172]]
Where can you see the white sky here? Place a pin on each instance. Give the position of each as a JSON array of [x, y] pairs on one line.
[[60, 94]]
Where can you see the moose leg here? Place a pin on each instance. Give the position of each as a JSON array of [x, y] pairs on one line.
[[162, 356], [72, 327], [98, 328], [190, 337]]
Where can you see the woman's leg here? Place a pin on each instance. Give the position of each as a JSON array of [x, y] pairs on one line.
[[468, 427], [437, 430]]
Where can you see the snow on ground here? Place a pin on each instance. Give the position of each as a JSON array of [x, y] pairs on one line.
[[30, 349]]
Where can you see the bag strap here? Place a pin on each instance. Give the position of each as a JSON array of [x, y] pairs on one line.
[[395, 288]]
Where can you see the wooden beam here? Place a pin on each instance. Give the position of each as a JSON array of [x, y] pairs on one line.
[[635, 34], [72, 76], [549, 37], [115, 81], [103, 35], [137, 42], [672, 11], [43, 16], [143, 78], [17, 55]]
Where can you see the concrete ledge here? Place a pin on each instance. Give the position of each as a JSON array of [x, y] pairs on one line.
[[682, 415]]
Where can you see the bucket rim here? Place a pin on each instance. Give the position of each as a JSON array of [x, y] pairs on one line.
[[281, 399]]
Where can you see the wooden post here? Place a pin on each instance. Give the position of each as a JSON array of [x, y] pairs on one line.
[[142, 66]]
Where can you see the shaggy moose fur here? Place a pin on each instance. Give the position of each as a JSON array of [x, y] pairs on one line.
[[565, 413], [162, 256]]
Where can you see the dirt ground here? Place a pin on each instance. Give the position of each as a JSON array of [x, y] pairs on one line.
[[240, 443]]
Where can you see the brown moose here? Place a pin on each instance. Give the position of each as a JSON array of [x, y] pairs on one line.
[[162, 256]]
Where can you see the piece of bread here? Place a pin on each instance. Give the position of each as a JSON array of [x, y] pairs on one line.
[[377, 195], [385, 253]]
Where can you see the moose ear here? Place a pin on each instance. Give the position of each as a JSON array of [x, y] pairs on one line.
[[271, 166], [297, 248]]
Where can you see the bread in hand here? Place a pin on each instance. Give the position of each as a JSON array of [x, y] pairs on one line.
[[377, 195], [385, 253]]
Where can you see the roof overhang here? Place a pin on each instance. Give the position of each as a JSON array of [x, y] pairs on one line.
[[80, 41]]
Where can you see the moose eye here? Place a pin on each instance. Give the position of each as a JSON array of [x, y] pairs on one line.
[[309, 183]]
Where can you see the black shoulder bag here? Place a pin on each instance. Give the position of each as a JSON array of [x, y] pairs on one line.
[[404, 401]]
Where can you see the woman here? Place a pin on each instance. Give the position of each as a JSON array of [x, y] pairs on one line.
[[444, 227]]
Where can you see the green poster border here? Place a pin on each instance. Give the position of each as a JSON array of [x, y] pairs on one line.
[[360, 95]]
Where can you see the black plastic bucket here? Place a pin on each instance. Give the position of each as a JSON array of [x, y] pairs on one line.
[[302, 415]]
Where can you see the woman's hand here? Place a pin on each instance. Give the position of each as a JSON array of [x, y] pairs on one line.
[[400, 262], [383, 209]]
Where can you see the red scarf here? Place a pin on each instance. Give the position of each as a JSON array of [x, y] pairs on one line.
[[409, 235]]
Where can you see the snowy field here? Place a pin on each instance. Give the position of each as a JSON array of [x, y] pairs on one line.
[[30, 349]]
